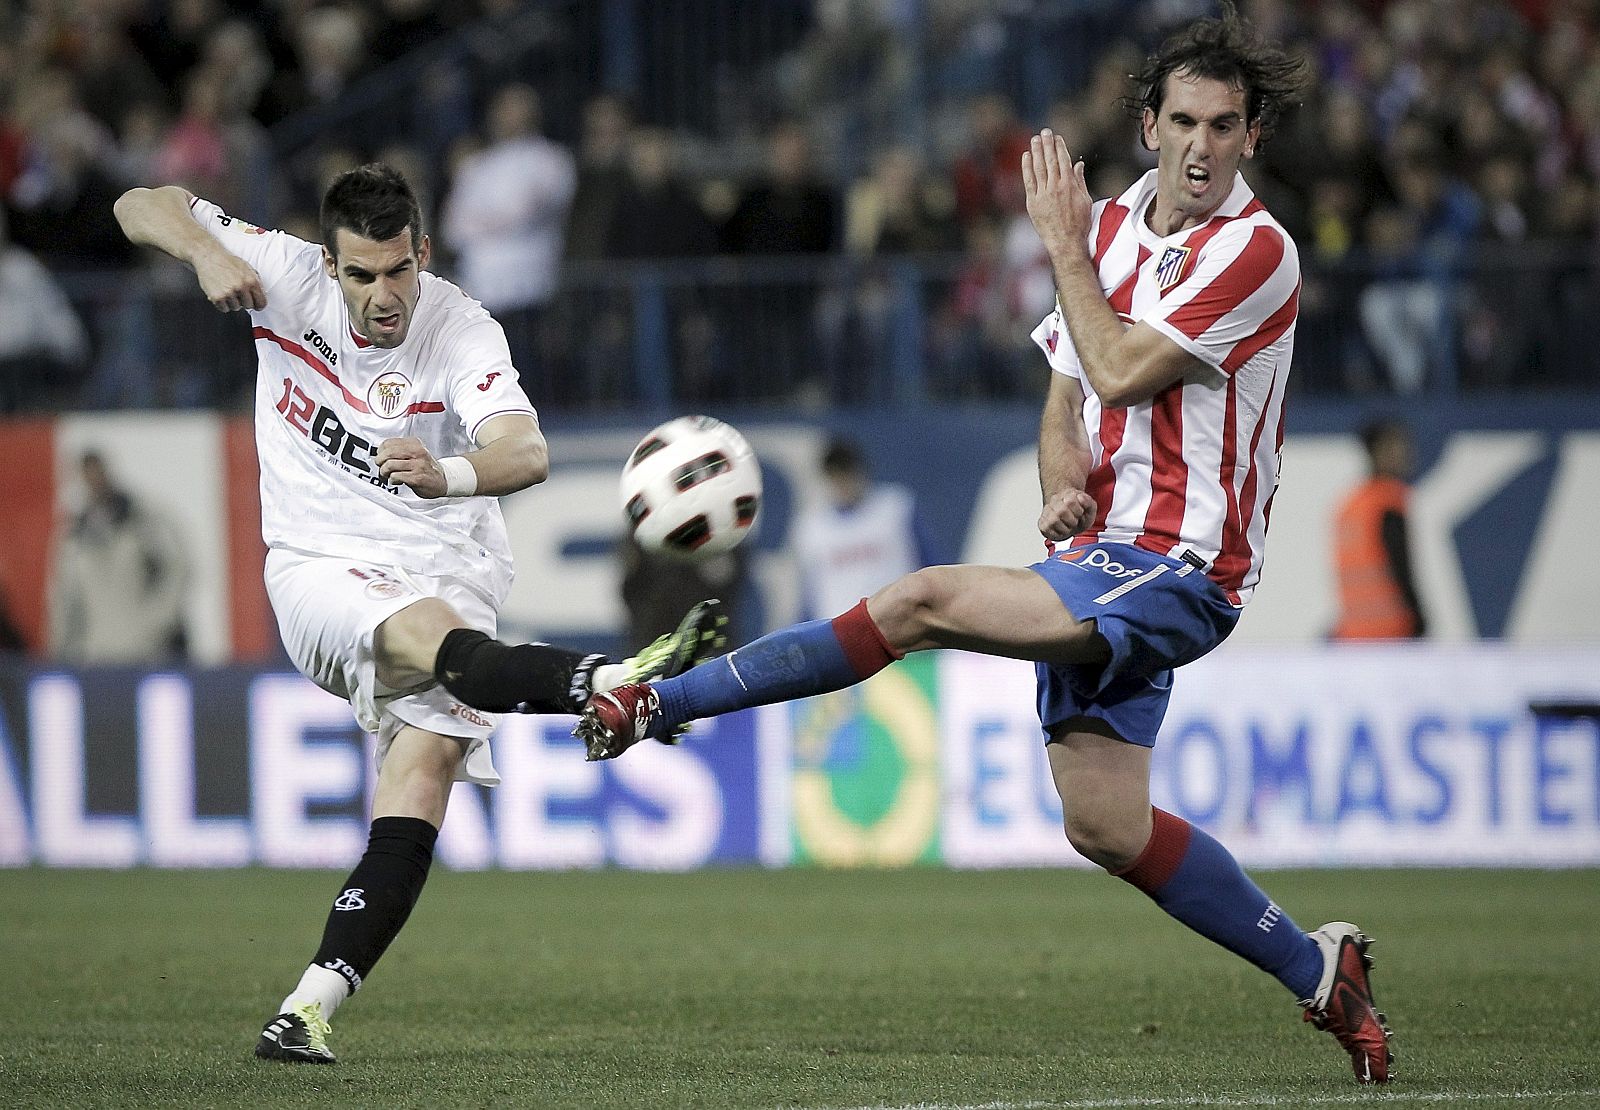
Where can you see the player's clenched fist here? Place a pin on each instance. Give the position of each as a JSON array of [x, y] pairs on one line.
[[406, 462], [1066, 514], [229, 282]]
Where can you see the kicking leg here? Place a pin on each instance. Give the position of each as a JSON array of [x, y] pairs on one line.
[[429, 641], [407, 810], [995, 610]]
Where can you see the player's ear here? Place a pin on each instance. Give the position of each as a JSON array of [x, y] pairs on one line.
[[424, 253], [1252, 139], [1147, 131], [329, 263]]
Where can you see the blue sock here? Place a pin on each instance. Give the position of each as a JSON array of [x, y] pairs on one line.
[[815, 657], [1196, 880]]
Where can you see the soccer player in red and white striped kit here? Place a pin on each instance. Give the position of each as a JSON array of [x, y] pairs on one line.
[[1158, 461]]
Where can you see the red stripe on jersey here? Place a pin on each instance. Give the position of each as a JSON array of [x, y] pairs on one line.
[[1272, 328], [1229, 289], [322, 368], [1111, 218], [1234, 560], [28, 456], [314, 362], [1102, 481], [1169, 472]]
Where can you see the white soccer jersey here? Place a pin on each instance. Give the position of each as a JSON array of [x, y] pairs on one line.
[[1193, 469], [325, 399]]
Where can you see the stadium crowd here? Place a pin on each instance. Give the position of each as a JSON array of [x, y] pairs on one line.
[[1441, 179]]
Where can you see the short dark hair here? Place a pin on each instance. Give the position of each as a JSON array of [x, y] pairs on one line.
[[843, 456], [375, 202], [1230, 50], [1375, 431]]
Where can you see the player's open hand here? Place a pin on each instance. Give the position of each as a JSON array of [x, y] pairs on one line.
[[229, 282], [406, 462], [1066, 514], [1059, 203]]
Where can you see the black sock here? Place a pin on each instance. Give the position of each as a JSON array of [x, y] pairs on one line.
[[377, 897], [526, 678]]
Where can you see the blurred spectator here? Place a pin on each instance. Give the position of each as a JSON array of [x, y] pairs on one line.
[[985, 175], [602, 175], [1377, 588], [860, 536], [43, 347], [505, 211], [1418, 246], [503, 217], [119, 579], [658, 589], [788, 210], [897, 210], [656, 214]]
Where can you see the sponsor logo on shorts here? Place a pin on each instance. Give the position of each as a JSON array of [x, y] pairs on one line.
[[470, 715], [382, 589], [1095, 558]]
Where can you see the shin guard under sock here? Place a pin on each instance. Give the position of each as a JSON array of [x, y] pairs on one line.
[[377, 897], [1195, 879], [506, 678], [815, 657]]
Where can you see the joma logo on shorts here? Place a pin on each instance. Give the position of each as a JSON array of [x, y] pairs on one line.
[[1097, 559]]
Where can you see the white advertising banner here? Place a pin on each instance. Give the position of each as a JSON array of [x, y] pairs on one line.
[[1484, 755]]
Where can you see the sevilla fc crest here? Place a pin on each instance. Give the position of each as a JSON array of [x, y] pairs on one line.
[[386, 396]]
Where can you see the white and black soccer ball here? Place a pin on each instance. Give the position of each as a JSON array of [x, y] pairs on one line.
[[691, 488]]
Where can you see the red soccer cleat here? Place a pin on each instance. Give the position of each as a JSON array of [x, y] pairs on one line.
[[1343, 1003], [616, 720]]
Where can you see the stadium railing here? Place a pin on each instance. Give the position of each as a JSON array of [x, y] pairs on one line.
[[900, 331]]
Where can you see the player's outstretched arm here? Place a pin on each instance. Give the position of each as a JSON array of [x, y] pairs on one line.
[[512, 455], [160, 218]]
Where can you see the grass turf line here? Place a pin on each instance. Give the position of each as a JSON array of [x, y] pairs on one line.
[[786, 989]]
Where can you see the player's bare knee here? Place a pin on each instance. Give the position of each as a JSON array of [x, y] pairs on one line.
[[1102, 837], [907, 610], [407, 643]]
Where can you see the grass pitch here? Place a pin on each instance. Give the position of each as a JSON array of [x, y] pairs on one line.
[[791, 989]]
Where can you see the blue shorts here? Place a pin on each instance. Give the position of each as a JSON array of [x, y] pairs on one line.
[[1156, 612]]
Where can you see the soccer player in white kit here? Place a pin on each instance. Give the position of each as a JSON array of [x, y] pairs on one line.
[[1158, 460], [389, 418]]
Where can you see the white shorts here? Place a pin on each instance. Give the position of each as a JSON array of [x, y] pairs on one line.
[[329, 610]]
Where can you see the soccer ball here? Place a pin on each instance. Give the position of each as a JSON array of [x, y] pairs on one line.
[[691, 488]]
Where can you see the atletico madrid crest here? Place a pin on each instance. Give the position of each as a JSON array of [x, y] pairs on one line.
[[1173, 267]]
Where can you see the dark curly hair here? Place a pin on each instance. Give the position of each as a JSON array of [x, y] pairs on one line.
[[1230, 50], [375, 202]]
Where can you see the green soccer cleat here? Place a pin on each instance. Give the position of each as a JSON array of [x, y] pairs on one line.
[[701, 635], [297, 1037]]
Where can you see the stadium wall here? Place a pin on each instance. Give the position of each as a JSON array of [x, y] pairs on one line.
[[1504, 498]]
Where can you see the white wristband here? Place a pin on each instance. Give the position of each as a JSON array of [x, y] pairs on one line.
[[460, 477]]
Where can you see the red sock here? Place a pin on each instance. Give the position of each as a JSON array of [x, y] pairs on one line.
[[1162, 854], [863, 643]]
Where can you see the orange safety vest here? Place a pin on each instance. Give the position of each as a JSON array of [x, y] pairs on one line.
[[1371, 606]]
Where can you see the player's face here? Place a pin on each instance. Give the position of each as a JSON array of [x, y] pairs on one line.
[[1200, 136], [381, 282]]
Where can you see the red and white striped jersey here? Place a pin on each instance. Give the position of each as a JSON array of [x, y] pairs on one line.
[[1192, 470], [326, 398]]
